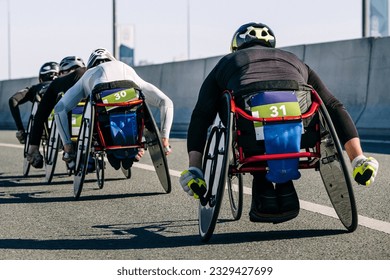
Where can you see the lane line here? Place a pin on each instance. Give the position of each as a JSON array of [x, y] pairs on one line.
[[306, 205], [20, 146]]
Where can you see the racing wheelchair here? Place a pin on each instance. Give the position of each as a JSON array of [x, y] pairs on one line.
[[225, 160], [54, 144], [50, 141], [45, 135], [117, 122]]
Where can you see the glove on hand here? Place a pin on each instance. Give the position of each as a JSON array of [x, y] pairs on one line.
[[364, 170], [192, 182], [21, 136]]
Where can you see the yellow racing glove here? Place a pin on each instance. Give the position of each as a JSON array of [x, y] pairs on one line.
[[365, 170], [192, 182]]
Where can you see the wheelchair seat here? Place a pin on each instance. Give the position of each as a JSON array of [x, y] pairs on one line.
[[116, 123], [119, 119], [283, 101]]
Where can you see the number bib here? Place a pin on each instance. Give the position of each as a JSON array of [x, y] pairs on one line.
[[77, 116], [118, 95], [278, 138], [273, 104]]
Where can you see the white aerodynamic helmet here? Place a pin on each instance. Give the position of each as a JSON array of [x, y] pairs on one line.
[[98, 56], [71, 62]]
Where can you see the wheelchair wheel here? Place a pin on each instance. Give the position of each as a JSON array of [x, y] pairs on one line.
[[26, 164], [335, 174], [156, 151], [83, 147], [235, 189], [209, 208], [53, 144], [235, 184], [215, 167], [26, 167], [99, 163], [44, 141]]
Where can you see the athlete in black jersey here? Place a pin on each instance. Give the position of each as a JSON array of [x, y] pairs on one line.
[[71, 70], [253, 63], [47, 73]]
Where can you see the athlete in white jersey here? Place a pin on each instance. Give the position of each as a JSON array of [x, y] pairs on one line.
[[103, 68]]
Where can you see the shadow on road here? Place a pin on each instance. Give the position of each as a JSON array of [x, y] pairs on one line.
[[21, 181], [37, 197], [156, 235]]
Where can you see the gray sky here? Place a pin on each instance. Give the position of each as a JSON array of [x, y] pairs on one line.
[[44, 30]]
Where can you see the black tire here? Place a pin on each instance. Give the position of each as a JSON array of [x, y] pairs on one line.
[[156, 151], [53, 144], [83, 147], [44, 141], [215, 168], [235, 188], [335, 175], [209, 209], [99, 163], [26, 167], [26, 164]]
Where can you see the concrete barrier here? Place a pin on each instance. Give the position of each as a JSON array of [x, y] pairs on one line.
[[7, 89], [209, 64], [375, 120], [299, 51], [181, 82], [356, 71], [344, 68], [151, 73]]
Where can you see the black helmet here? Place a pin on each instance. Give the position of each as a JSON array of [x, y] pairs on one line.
[[253, 33], [49, 71], [98, 56], [71, 62]]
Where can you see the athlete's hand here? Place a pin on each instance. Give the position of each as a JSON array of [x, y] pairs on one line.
[[192, 182], [167, 148], [365, 170], [140, 154]]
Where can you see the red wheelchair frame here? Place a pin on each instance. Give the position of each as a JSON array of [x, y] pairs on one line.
[[251, 163], [224, 161], [92, 140], [103, 146]]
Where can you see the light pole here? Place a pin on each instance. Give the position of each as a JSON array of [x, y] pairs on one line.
[[114, 28], [9, 41], [365, 18], [188, 29]]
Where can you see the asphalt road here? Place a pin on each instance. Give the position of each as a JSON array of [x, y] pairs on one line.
[[134, 219]]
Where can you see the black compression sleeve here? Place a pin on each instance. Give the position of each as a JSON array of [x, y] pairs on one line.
[[341, 119], [203, 115]]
